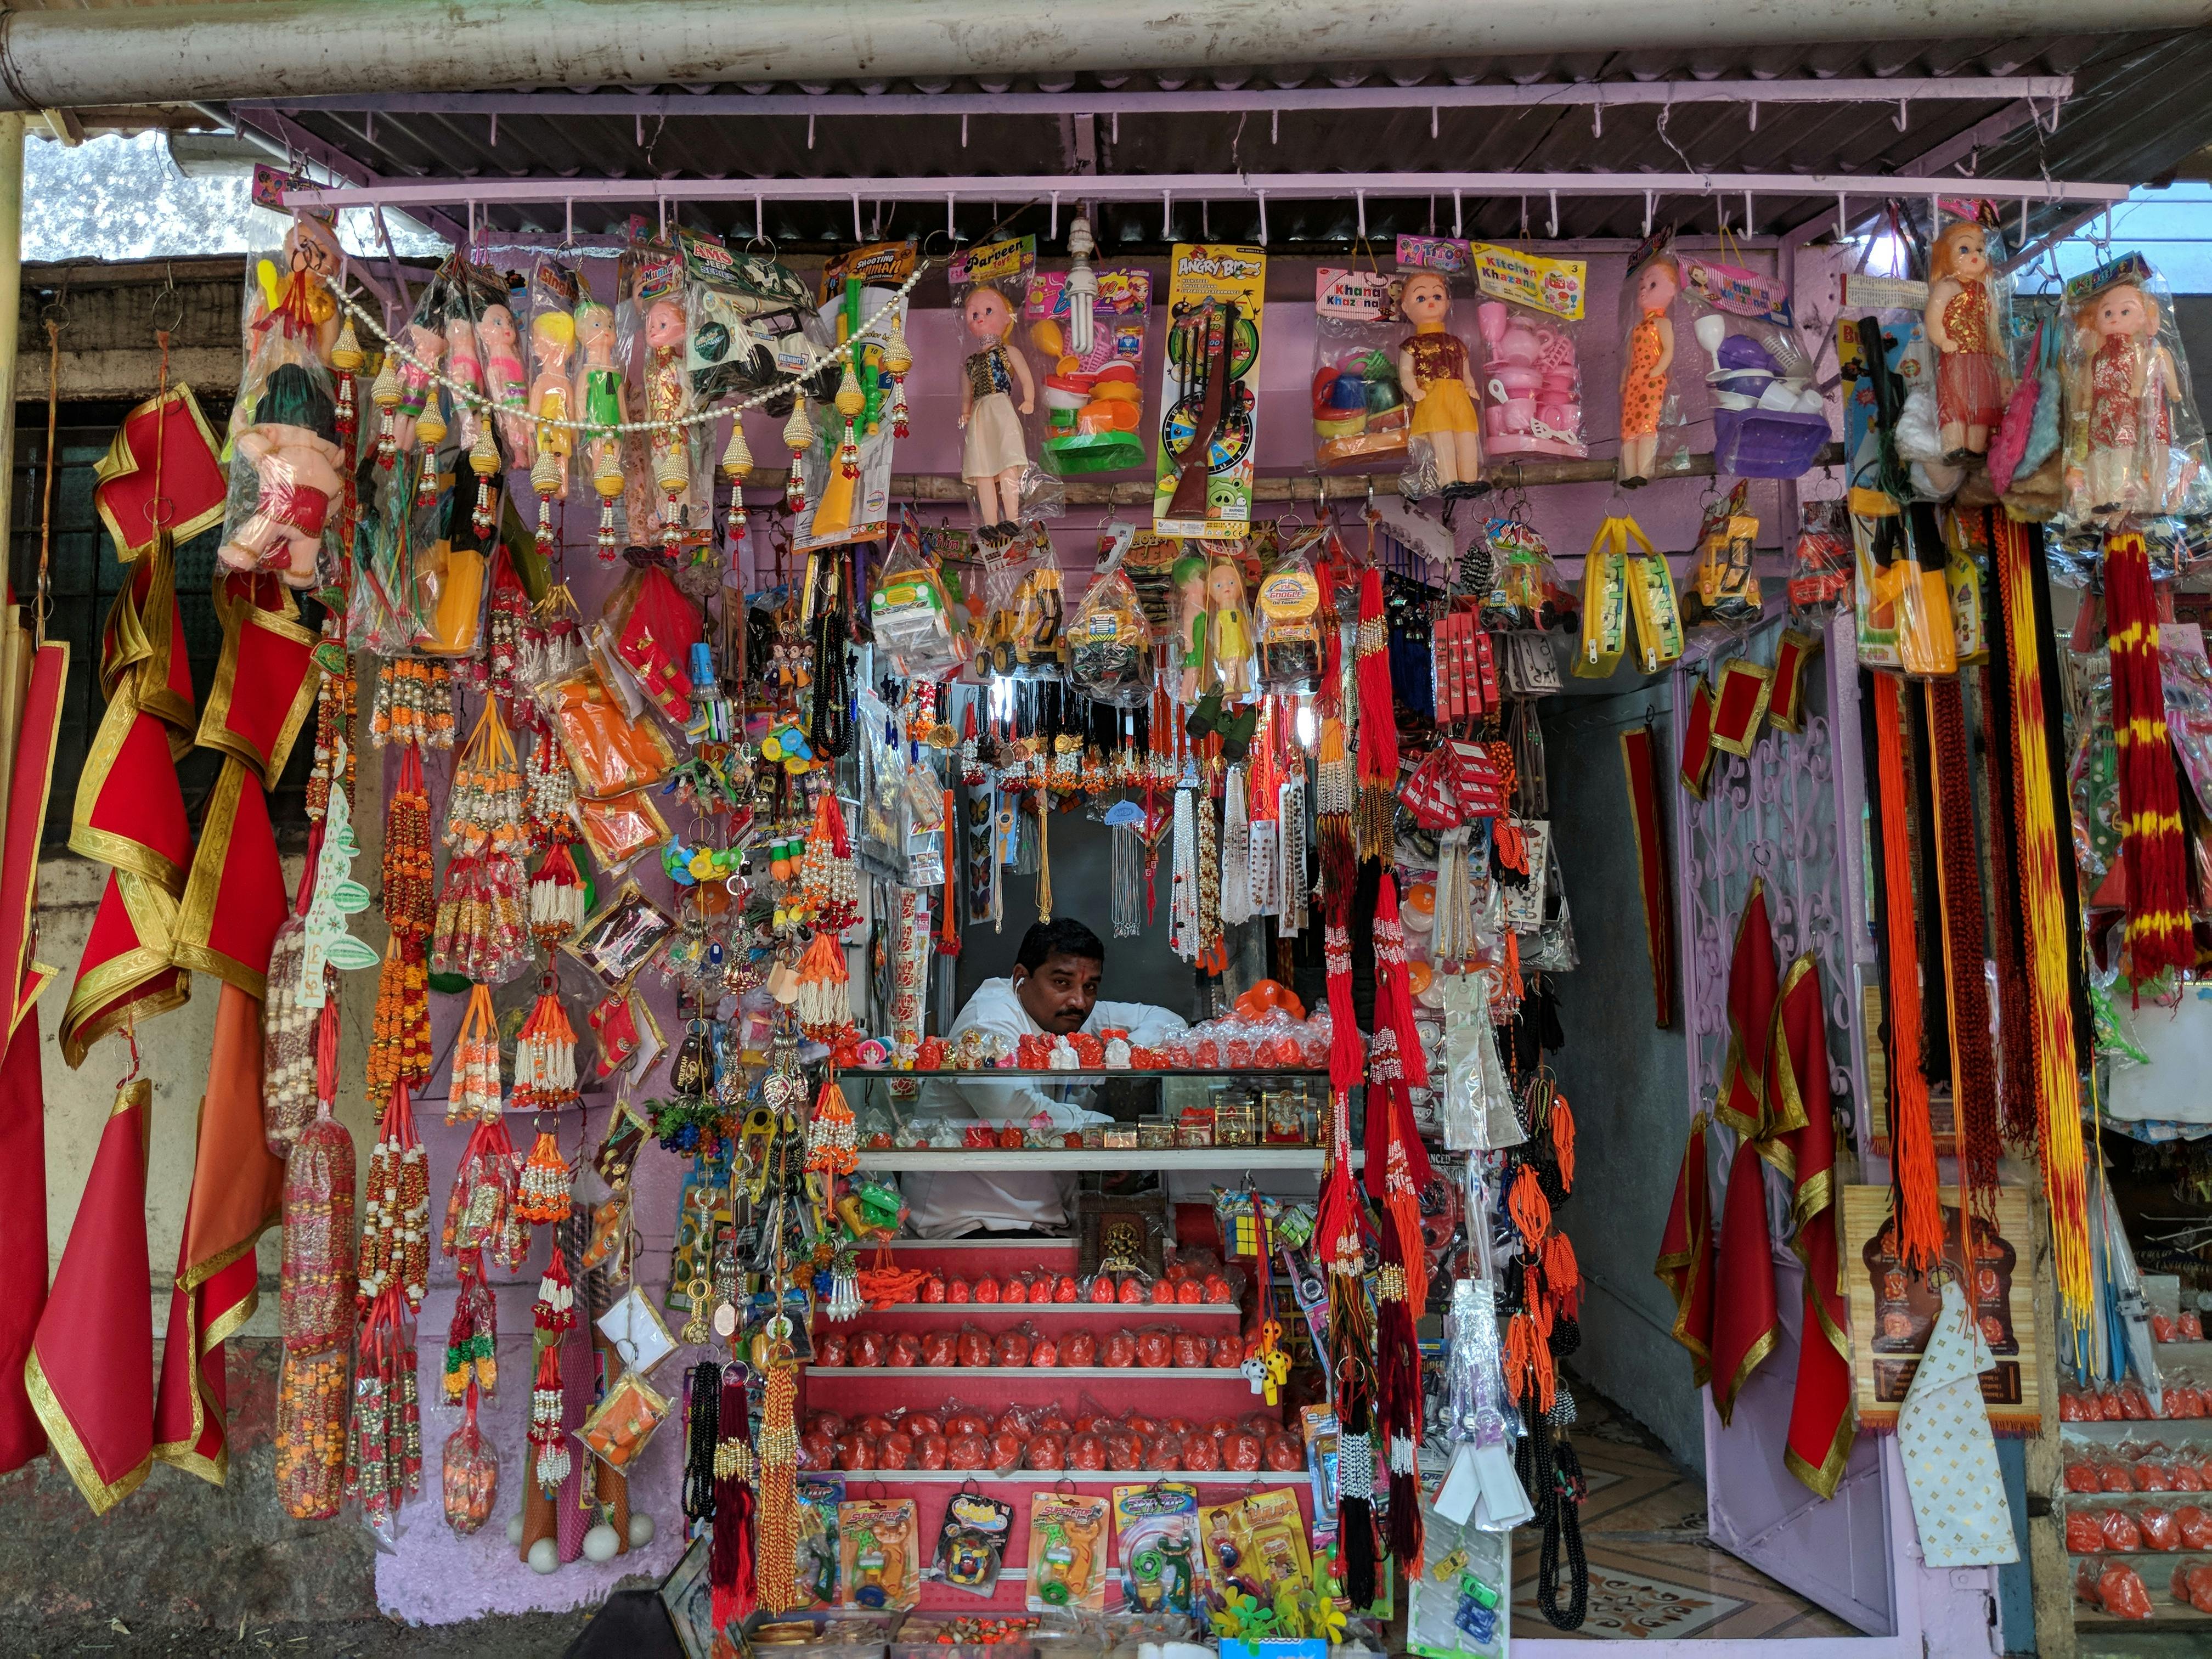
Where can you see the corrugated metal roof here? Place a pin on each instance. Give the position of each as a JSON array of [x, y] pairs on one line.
[[2133, 117]]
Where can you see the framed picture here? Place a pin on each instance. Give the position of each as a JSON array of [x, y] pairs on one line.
[[689, 1600]]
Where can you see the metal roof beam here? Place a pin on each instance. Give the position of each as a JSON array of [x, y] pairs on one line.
[[296, 140], [1977, 88], [1224, 186]]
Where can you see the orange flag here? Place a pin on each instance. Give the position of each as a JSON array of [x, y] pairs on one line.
[[1821, 1427], [91, 1369]]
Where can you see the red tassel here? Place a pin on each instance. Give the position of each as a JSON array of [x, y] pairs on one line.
[[730, 1566], [1378, 727], [2159, 932]]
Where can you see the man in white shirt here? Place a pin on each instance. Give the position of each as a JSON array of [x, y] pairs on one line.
[[1054, 991]]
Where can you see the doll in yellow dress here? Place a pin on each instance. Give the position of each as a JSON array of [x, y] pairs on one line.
[[1432, 371], [1229, 629]]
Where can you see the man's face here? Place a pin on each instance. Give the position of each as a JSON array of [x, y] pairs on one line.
[[1059, 995]]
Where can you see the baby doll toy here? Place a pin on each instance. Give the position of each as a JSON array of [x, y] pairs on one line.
[[994, 455], [2128, 387], [1970, 374], [1432, 371], [663, 405], [1644, 366], [292, 450]]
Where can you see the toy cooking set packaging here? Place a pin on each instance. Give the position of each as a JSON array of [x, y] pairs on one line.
[[1209, 391], [1093, 400], [1528, 317], [1358, 412]]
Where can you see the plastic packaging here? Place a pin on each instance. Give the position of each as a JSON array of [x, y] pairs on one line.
[[471, 1472], [1436, 373], [1068, 1551], [1024, 618], [287, 465], [879, 1553], [848, 463], [1360, 415], [2134, 441], [1093, 399], [316, 1309], [998, 414], [1206, 467], [911, 612], [1651, 428], [1110, 642], [1769, 420]]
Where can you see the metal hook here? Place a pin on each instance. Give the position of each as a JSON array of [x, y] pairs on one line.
[[951, 232], [1052, 232], [1554, 230], [1167, 216], [1650, 201], [856, 217], [1263, 218], [1360, 197], [1456, 232], [1843, 230]]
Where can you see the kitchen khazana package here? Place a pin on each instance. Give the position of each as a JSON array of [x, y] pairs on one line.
[[1358, 412], [1209, 391]]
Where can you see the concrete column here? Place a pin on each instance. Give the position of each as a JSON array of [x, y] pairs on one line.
[[11, 305]]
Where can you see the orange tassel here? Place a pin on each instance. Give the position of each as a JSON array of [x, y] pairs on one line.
[[1530, 1209], [1405, 1215], [1562, 1274], [1563, 1140], [1920, 1228]]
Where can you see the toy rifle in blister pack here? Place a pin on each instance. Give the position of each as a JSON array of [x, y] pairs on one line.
[[1907, 547], [1213, 333]]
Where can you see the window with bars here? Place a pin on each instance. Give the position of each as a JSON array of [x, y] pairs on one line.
[[84, 576]]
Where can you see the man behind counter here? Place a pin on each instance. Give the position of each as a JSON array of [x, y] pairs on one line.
[[1052, 991]]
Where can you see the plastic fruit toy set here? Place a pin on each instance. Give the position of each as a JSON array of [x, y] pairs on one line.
[[1154, 1347], [1090, 1441]]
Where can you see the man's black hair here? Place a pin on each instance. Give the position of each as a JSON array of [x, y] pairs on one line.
[[1063, 937]]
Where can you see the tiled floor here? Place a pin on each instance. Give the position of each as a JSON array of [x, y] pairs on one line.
[[1652, 1573]]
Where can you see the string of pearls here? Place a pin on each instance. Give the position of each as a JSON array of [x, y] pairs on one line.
[[469, 396]]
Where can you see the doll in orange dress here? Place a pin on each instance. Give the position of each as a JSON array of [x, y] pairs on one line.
[[1970, 375], [1433, 372], [2130, 386], [1644, 372]]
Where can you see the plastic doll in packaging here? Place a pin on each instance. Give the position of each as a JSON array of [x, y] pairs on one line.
[[600, 406], [295, 314], [1229, 628], [418, 392], [1962, 325], [2127, 385], [292, 448], [664, 404], [504, 380], [1644, 366], [552, 342], [464, 364], [994, 456], [1189, 578], [1433, 372]]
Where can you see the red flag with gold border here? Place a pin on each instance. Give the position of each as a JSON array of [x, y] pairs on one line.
[[91, 1368], [1751, 992], [1821, 1427], [1685, 1253]]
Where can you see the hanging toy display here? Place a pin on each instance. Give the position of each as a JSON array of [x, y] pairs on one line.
[[1445, 444], [601, 405]]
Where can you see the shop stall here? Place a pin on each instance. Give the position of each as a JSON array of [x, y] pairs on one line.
[[1055, 896]]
